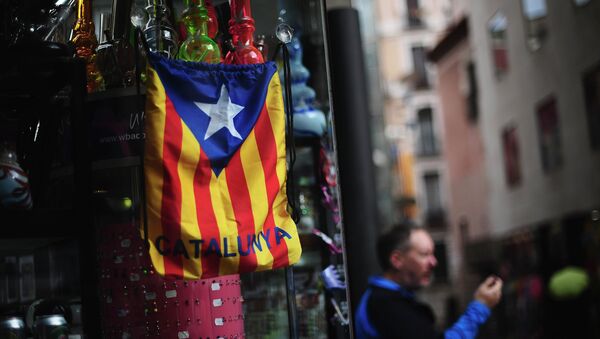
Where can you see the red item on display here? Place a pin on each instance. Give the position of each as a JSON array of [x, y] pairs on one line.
[[241, 27]]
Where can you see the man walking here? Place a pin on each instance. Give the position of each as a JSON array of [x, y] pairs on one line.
[[389, 309]]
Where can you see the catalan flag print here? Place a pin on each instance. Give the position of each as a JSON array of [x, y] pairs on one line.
[[215, 169]]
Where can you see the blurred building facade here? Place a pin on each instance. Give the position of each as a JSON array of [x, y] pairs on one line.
[[463, 145], [532, 58], [519, 89], [406, 30]]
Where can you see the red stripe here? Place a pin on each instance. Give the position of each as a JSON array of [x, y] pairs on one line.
[[267, 148], [242, 208], [171, 194], [207, 222]]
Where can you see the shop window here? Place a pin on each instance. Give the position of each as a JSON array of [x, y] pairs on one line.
[[497, 27], [549, 134], [419, 67], [591, 92], [512, 161], [534, 12], [414, 14], [427, 141]]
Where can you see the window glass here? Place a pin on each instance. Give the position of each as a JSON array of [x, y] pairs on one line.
[[534, 12], [414, 14], [549, 134], [497, 29], [420, 70], [512, 157], [591, 92], [432, 191], [427, 143], [534, 9]]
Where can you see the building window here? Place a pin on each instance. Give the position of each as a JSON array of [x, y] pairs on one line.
[[512, 161], [427, 141], [591, 92], [419, 67], [432, 191], [534, 12], [497, 28], [414, 14], [549, 134], [473, 93]]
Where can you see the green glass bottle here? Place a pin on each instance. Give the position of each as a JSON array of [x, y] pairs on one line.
[[198, 46]]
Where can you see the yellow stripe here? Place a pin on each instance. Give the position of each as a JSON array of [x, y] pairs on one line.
[[155, 126], [255, 179], [219, 195], [282, 218], [186, 167]]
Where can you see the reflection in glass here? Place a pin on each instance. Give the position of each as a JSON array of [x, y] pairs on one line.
[[159, 32], [497, 28], [534, 12]]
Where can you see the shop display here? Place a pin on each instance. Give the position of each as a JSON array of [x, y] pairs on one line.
[[241, 27], [222, 206], [115, 55], [14, 184], [57, 17], [198, 45], [51, 326], [137, 302], [213, 22], [308, 120], [232, 136], [12, 327], [85, 42], [159, 32]]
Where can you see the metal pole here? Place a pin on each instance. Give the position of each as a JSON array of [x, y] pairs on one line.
[[291, 302]]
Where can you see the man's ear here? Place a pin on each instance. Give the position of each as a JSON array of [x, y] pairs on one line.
[[397, 259]]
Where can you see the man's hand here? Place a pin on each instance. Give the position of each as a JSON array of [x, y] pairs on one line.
[[490, 291]]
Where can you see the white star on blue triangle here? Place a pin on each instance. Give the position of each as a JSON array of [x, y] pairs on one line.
[[221, 114]]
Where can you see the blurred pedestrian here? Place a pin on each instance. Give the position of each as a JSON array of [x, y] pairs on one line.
[[389, 309]]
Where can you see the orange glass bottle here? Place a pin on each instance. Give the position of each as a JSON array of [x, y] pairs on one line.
[[85, 43]]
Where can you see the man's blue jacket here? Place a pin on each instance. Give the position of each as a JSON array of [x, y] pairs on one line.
[[387, 310]]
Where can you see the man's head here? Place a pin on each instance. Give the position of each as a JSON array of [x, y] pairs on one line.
[[406, 255]]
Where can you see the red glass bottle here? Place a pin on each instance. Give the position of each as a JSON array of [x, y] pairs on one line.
[[213, 23], [241, 27]]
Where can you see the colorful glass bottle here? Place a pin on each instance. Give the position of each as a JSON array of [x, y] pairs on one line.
[[198, 46], [159, 32], [308, 120], [241, 27], [213, 23], [105, 58], [85, 43]]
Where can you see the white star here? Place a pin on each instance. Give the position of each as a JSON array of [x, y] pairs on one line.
[[221, 114]]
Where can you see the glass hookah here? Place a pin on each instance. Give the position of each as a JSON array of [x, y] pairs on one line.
[[241, 27], [159, 32], [198, 46], [308, 120], [84, 40]]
